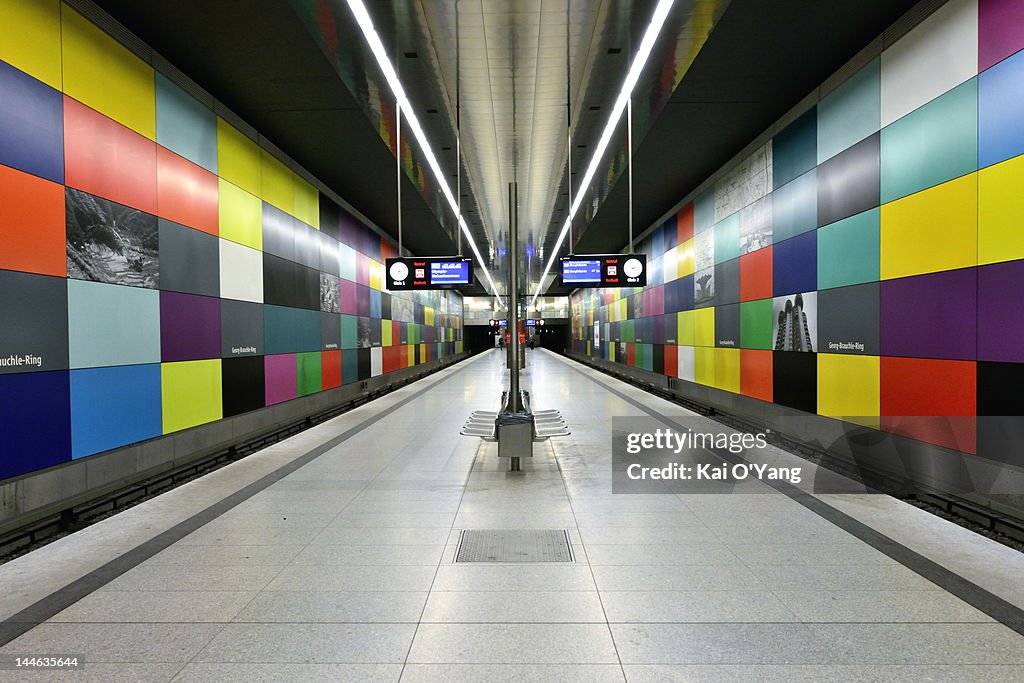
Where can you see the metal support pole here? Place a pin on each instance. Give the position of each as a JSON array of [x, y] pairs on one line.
[[398, 168], [629, 161], [515, 400]]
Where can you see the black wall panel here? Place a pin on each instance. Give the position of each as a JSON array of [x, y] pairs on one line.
[[242, 384], [795, 380], [727, 282], [364, 363], [330, 217], [279, 282], [307, 288]]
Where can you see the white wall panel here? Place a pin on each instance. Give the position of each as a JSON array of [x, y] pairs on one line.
[[241, 272], [935, 57]]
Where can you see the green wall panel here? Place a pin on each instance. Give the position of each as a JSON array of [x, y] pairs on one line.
[[756, 324]]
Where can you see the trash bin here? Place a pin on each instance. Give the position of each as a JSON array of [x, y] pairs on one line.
[[515, 435]]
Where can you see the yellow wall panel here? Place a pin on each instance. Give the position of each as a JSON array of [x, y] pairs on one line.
[[428, 316], [307, 203], [933, 230], [684, 328], [276, 184], [704, 326], [411, 355], [241, 216], [385, 333], [1001, 211], [684, 258], [191, 394], [238, 158], [611, 351], [105, 75], [376, 275], [848, 386], [704, 366], [727, 370], [31, 38]]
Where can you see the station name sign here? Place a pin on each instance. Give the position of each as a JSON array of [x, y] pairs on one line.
[[607, 270], [428, 273]]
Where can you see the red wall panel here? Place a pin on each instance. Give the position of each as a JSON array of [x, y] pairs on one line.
[[684, 223], [106, 159], [756, 275], [756, 370], [330, 369], [186, 193], [930, 400]]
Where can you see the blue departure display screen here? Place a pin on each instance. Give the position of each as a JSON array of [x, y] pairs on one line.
[[449, 273], [581, 271]]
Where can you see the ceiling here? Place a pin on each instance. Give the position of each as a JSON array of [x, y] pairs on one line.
[[501, 72]]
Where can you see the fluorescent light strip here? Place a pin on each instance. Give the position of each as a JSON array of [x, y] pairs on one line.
[[362, 17], [646, 45]]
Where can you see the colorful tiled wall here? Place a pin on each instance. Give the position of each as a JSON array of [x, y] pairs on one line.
[[159, 269], [868, 261]]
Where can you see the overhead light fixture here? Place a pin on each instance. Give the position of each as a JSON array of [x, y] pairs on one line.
[[362, 17], [632, 76]]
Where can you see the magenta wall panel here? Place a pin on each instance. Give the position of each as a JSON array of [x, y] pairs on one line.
[[1000, 30], [281, 378], [348, 297]]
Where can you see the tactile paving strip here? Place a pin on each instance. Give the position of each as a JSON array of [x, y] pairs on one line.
[[514, 545]]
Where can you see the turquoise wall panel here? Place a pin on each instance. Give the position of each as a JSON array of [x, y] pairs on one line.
[[848, 251], [851, 112], [185, 126], [727, 239], [931, 145], [704, 210], [112, 324]]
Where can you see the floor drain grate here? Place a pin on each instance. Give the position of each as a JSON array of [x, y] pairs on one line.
[[514, 545]]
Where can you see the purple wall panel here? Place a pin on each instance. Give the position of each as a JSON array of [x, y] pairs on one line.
[[189, 327], [931, 316], [1001, 312], [281, 378], [1000, 30]]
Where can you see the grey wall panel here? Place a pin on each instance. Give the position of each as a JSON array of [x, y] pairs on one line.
[[33, 323], [330, 331], [727, 326], [190, 258], [241, 328], [848, 320], [849, 182], [278, 232]]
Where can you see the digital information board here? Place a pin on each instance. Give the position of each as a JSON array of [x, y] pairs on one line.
[[428, 273], [605, 270]]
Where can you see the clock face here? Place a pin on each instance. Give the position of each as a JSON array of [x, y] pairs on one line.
[[632, 267], [399, 271]]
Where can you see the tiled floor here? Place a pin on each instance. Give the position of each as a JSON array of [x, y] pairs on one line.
[[343, 571]]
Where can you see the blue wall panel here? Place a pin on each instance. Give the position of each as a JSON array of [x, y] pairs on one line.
[[185, 126], [35, 418], [1001, 111], [31, 125], [112, 407]]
